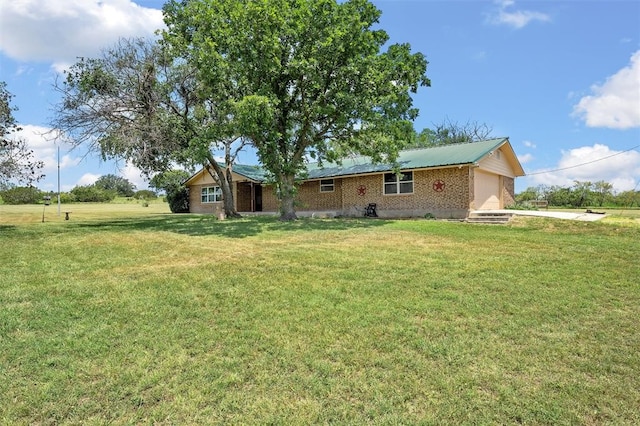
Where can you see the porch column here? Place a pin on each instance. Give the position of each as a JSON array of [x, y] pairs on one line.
[[253, 198]]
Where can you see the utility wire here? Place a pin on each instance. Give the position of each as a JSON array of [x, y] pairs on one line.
[[583, 164]]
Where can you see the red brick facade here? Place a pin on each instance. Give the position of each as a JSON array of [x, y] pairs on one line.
[[441, 192]]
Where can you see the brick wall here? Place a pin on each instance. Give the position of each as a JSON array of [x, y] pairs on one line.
[[508, 191], [310, 198], [453, 201], [195, 201], [346, 199], [270, 202]]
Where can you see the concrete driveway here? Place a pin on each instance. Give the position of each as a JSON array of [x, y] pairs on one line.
[[586, 217]]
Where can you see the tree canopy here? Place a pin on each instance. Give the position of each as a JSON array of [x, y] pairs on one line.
[[301, 78], [139, 102], [451, 132], [17, 163], [120, 185], [169, 181]]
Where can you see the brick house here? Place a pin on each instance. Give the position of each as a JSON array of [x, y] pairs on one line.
[[445, 181]]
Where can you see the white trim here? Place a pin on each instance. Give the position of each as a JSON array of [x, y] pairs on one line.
[[216, 194]]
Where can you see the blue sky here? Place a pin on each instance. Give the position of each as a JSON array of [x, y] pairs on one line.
[[561, 79]]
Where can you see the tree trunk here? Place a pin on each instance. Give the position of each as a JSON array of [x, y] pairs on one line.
[[225, 181], [287, 198]]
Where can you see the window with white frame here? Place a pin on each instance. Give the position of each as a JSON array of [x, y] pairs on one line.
[[398, 183], [327, 185], [211, 194]]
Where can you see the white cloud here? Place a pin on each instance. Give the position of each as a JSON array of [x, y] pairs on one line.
[[134, 175], [525, 158], [515, 18], [58, 31], [87, 179], [593, 164], [616, 103], [529, 144]]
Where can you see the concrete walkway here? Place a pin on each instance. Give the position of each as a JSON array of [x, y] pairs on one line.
[[586, 217]]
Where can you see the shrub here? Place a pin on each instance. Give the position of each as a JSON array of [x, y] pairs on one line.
[[22, 195], [92, 194], [145, 194], [179, 200], [67, 197]]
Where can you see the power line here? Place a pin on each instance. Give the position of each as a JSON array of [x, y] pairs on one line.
[[583, 164]]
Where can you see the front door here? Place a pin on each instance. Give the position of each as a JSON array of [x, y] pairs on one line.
[[257, 197]]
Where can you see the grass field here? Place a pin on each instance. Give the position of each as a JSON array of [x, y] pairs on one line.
[[129, 315]]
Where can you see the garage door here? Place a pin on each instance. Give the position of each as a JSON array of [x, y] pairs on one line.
[[487, 191]]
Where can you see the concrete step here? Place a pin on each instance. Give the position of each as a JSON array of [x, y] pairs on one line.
[[489, 218]]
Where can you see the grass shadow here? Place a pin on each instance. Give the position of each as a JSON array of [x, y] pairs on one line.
[[204, 225]]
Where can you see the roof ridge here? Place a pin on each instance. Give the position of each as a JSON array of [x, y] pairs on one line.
[[420, 148], [418, 157]]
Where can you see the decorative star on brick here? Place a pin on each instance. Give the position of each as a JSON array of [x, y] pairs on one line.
[[438, 186]]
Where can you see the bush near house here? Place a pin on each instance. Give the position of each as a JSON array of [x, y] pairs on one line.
[[178, 199]]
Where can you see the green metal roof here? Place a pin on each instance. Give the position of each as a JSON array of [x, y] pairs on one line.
[[412, 159], [420, 158], [256, 173]]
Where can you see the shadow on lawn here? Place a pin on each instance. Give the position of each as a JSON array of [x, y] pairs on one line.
[[201, 225]]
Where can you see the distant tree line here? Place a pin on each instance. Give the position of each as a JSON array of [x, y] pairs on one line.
[[581, 194], [107, 188], [450, 132]]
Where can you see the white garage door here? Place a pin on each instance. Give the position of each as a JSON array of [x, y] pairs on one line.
[[487, 191]]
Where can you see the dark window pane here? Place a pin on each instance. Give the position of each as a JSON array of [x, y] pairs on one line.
[[390, 188], [406, 187], [390, 177]]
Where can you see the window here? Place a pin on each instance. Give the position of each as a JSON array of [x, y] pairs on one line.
[[211, 194], [327, 185], [398, 184]]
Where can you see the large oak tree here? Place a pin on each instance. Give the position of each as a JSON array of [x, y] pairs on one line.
[[305, 78], [139, 102]]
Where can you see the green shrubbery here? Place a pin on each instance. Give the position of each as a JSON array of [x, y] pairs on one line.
[[22, 195], [581, 194], [145, 194], [172, 183], [92, 194], [178, 200]]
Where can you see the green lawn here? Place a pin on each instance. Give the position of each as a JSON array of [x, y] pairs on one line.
[[129, 315]]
